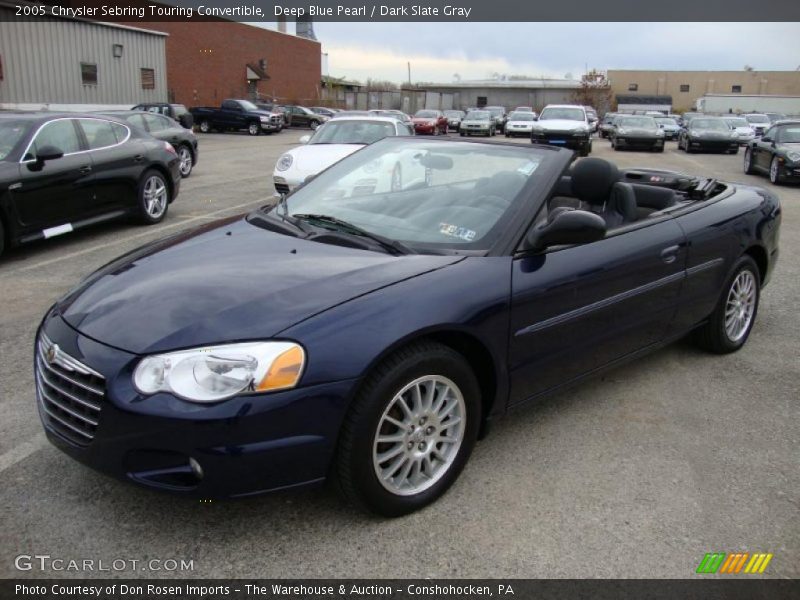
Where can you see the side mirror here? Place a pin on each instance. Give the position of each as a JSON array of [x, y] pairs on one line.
[[766, 139], [568, 227], [536, 118], [305, 139], [44, 154]]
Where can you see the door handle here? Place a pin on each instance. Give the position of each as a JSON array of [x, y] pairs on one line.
[[138, 158], [85, 169], [669, 255]]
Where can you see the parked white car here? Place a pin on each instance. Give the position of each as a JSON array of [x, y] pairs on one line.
[[520, 123], [330, 143], [741, 126]]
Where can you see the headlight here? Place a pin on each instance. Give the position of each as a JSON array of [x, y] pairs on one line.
[[734, 134], [264, 119], [218, 372], [793, 156], [622, 131], [694, 134], [284, 162], [659, 133]]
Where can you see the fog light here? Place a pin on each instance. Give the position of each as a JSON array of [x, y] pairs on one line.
[[197, 470]]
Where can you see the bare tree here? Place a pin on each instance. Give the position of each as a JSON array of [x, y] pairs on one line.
[[594, 90]]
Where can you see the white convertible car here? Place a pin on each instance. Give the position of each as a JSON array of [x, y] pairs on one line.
[[333, 141]]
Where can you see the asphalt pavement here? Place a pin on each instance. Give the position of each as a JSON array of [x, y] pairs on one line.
[[636, 474]]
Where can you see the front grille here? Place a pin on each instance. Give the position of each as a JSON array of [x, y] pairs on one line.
[[70, 394]]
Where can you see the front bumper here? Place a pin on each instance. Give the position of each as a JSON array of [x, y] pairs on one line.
[[714, 145], [639, 141], [516, 130], [561, 139], [242, 446], [479, 129], [424, 128]]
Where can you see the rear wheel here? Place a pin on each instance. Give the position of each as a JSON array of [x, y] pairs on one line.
[[775, 171], [729, 325], [410, 430], [153, 197]]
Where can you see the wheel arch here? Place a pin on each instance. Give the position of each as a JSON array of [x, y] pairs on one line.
[[759, 255], [477, 354]]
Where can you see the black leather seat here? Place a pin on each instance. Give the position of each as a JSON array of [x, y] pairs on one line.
[[595, 182]]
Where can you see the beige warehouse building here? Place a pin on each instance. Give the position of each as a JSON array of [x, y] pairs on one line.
[[686, 86]]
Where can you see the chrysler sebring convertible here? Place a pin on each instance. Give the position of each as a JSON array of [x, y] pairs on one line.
[[369, 335]]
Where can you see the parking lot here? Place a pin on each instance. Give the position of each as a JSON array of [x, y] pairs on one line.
[[637, 474]]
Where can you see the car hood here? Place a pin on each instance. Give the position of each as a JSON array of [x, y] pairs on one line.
[[639, 131], [526, 123], [313, 158], [227, 281], [713, 133], [474, 122], [560, 125]]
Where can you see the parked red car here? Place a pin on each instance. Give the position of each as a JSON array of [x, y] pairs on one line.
[[430, 121]]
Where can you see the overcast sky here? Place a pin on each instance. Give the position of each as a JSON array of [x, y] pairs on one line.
[[437, 51]]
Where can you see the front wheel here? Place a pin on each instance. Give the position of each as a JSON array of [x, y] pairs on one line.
[[748, 162], [410, 430], [775, 171], [205, 126], [187, 162], [313, 124], [153, 197], [254, 128], [729, 325]]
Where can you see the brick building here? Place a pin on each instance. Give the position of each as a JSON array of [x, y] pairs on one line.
[[210, 61]]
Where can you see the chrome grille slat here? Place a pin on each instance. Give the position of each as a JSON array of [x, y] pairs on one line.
[[49, 383], [69, 398], [65, 408], [66, 424], [62, 375]]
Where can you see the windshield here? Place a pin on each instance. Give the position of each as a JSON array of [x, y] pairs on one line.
[[11, 132], [644, 122], [495, 110], [179, 109], [737, 122], [247, 105], [352, 132], [426, 114], [757, 118], [565, 112], [478, 115], [521, 116], [453, 113], [712, 124], [667, 122], [440, 196], [789, 135]]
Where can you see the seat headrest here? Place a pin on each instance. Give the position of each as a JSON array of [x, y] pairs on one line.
[[623, 201], [592, 180]]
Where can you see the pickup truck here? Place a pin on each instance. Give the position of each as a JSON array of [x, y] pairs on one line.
[[236, 115]]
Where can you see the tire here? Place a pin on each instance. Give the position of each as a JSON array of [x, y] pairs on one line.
[[735, 151], [748, 161], [659, 149], [358, 454], [715, 335], [461, 133], [187, 160], [775, 171], [205, 126], [586, 150], [2, 237], [153, 210], [313, 124], [254, 128]]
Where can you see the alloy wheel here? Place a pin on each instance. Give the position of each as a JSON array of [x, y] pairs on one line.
[[774, 171], [419, 435], [155, 196], [186, 161], [740, 305]]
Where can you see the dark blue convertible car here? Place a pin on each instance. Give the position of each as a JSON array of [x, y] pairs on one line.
[[369, 327]]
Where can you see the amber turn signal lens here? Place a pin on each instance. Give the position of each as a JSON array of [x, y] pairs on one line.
[[284, 372]]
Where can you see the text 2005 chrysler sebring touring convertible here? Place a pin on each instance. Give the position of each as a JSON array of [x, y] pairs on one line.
[[367, 333]]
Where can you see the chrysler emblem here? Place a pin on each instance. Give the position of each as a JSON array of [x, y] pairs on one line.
[[51, 354]]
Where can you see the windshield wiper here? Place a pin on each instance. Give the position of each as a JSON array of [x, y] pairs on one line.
[[394, 246]]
